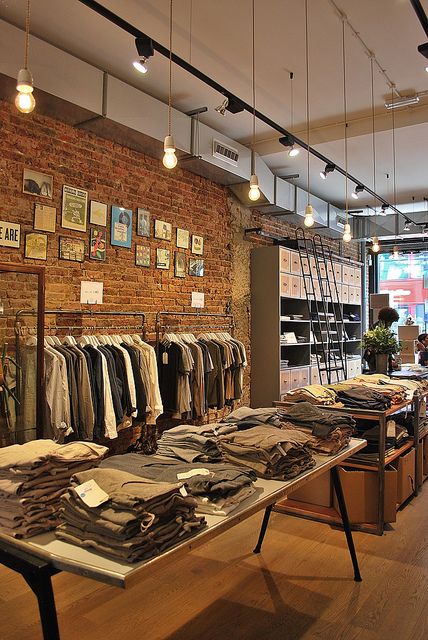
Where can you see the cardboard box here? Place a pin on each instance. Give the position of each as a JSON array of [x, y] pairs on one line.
[[407, 358], [360, 489], [421, 474], [408, 331], [425, 457], [379, 300], [408, 347], [317, 491], [405, 465]]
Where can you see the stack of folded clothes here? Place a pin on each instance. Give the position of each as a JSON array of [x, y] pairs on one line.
[[358, 396], [138, 519], [217, 488], [270, 452], [396, 435], [33, 476], [187, 442], [244, 417], [330, 430], [313, 393], [396, 393]]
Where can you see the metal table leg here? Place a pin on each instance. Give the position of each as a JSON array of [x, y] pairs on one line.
[[346, 526], [265, 523], [37, 573]]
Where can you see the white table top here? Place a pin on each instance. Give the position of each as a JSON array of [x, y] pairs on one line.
[[69, 557]]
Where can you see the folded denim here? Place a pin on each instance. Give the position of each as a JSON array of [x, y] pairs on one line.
[[187, 442], [364, 398]]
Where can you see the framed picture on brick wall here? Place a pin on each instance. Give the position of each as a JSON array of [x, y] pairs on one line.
[[183, 238], [162, 258], [143, 223], [98, 213], [163, 230], [71, 249], [196, 267], [121, 227], [37, 184], [36, 246], [74, 208], [44, 218], [180, 264], [142, 256], [98, 244], [197, 245]]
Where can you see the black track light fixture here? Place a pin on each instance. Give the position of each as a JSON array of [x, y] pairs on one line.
[[384, 208], [358, 189], [145, 50], [288, 141], [329, 168], [407, 225]]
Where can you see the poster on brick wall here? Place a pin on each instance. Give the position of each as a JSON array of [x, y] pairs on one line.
[[10, 234], [74, 208]]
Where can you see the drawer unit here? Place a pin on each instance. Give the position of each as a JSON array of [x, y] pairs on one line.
[[357, 277], [351, 276], [295, 262], [345, 294], [296, 287], [357, 299], [295, 378], [284, 382], [284, 260], [315, 375], [351, 295], [285, 285], [304, 376], [337, 271]]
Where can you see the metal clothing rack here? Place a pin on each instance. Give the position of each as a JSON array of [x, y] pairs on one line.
[[162, 326]]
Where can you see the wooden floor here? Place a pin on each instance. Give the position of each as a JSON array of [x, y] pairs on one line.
[[299, 588]]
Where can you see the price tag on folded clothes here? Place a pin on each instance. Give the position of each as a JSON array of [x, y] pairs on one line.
[[193, 472], [91, 493]]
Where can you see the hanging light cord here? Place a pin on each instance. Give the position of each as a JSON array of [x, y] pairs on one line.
[[345, 111], [307, 93], [393, 148], [27, 35], [170, 69], [253, 62], [373, 139], [292, 99]]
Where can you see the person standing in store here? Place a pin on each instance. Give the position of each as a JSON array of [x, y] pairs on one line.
[[423, 349]]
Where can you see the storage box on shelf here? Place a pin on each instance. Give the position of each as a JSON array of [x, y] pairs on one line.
[[408, 335], [277, 296]]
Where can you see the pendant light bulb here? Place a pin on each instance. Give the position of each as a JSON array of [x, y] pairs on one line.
[[169, 159], [309, 216], [375, 244], [25, 101], [254, 192], [347, 236], [395, 252]]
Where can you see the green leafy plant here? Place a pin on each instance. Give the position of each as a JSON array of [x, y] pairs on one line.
[[381, 340]]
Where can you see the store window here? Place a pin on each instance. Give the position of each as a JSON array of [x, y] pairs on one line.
[[405, 278]]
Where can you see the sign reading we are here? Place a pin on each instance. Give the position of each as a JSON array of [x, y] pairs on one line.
[[10, 234]]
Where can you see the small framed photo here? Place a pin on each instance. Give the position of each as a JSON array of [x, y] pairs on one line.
[[98, 244], [121, 227], [74, 208], [37, 184], [71, 249], [163, 230], [142, 256], [98, 213], [196, 267], [44, 218], [197, 245], [182, 238], [162, 258], [36, 246], [180, 264], [143, 223]]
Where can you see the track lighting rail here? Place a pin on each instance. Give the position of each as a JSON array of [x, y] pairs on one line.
[[164, 51]]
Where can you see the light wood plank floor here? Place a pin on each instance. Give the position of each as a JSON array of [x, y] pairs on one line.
[[299, 588]]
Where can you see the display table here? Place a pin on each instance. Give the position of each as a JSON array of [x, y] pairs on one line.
[[42, 556]]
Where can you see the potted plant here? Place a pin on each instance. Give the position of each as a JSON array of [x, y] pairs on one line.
[[379, 344]]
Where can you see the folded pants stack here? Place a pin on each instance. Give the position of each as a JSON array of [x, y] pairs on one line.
[[331, 431], [217, 488], [140, 518], [313, 393], [270, 452], [187, 442], [33, 476], [360, 397]]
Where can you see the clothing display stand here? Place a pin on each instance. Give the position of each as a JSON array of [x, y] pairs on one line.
[[40, 557], [381, 417]]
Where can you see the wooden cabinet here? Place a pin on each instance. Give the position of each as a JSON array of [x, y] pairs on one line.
[[338, 271]]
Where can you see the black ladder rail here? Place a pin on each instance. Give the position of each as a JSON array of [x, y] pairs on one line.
[[303, 244], [323, 259], [338, 312]]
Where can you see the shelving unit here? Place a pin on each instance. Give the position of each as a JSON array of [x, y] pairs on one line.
[[417, 445], [277, 290]]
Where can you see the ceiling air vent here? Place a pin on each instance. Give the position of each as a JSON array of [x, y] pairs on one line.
[[226, 153]]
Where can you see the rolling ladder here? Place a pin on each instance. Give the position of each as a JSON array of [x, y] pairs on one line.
[[325, 312]]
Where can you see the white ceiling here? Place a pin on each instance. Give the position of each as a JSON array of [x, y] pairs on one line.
[[215, 36]]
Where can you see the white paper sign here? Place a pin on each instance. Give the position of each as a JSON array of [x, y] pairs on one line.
[[91, 493], [193, 472], [10, 234], [198, 299], [91, 292]]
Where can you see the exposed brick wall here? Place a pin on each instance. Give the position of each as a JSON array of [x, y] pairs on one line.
[[118, 175]]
